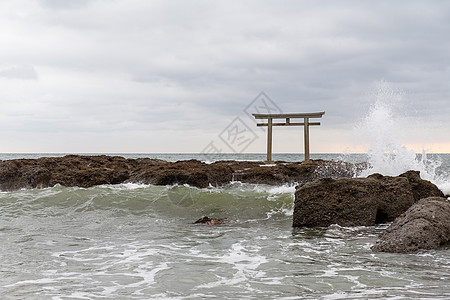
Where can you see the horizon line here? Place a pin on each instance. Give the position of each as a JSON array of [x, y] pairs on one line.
[[200, 153]]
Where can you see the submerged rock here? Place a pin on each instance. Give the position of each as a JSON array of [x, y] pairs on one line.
[[209, 221], [358, 201], [87, 171], [424, 226]]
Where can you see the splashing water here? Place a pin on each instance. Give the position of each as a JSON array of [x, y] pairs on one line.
[[383, 129]]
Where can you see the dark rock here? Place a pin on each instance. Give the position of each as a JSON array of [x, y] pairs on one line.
[[10, 174], [209, 221], [192, 172], [293, 172], [87, 171], [421, 188], [358, 201], [424, 226], [71, 170]]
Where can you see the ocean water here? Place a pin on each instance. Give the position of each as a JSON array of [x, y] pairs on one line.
[[132, 241]]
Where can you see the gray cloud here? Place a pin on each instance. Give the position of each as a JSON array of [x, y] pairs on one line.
[[19, 72], [66, 4], [144, 66]]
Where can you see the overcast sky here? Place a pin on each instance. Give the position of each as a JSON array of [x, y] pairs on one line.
[[182, 76]]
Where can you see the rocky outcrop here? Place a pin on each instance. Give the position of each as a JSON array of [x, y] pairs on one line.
[[71, 170], [421, 188], [87, 171], [192, 172], [285, 172], [358, 201], [424, 226]]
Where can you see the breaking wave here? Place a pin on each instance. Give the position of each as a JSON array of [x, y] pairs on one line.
[[236, 201]]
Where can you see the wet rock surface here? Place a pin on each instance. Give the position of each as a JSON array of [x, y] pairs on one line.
[[421, 188], [358, 201], [87, 171], [209, 221], [424, 226], [71, 170]]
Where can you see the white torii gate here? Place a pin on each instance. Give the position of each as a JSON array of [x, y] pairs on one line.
[[306, 123]]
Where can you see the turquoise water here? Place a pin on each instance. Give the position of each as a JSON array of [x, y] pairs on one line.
[[133, 241]]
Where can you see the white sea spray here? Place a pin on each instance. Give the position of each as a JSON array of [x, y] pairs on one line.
[[383, 128]]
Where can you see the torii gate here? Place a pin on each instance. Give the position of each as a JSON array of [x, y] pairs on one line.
[[288, 117]]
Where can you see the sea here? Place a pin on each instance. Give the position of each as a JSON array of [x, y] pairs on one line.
[[135, 241]]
